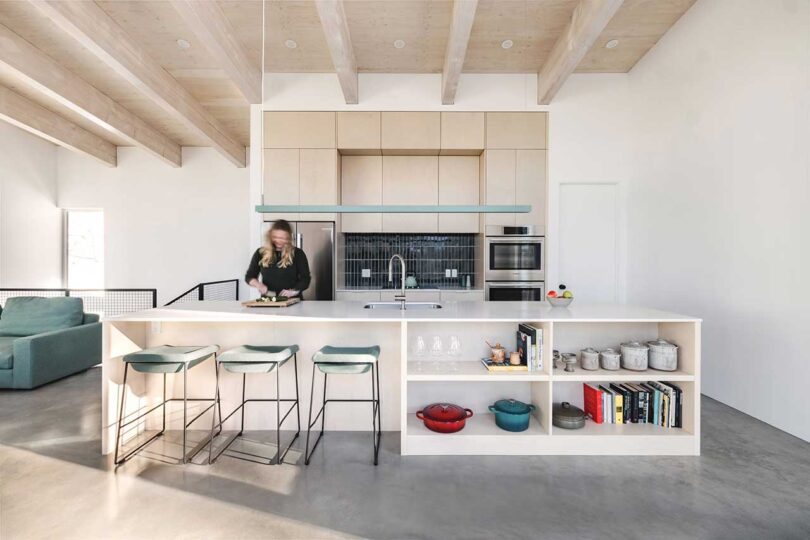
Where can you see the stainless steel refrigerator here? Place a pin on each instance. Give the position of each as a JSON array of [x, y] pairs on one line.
[[317, 239]]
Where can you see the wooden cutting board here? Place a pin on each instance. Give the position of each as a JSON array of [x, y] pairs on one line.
[[283, 303]]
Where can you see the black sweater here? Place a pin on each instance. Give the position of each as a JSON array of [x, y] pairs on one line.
[[296, 276]]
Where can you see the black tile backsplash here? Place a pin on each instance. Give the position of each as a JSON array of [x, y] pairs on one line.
[[426, 258]]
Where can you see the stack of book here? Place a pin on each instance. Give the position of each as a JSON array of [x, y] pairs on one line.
[[658, 403], [530, 346]]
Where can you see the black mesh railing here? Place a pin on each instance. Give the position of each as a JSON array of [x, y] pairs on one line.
[[104, 302], [212, 290]]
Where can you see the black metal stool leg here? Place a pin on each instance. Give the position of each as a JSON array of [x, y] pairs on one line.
[[244, 385], [309, 419], [297, 402], [121, 413], [185, 408], [278, 416], [214, 414], [379, 419]]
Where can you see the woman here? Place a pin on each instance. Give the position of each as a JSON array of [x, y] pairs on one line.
[[278, 267]]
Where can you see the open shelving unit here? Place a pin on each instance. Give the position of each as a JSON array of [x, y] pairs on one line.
[[468, 384]]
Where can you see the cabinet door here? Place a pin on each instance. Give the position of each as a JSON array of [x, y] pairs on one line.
[[318, 180], [411, 180], [281, 180], [411, 295], [358, 132], [530, 186], [462, 133], [500, 184], [299, 130], [458, 184], [361, 183], [517, 130], [411, 133]]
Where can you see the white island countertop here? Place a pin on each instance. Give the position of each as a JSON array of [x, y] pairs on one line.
[[315, 311]]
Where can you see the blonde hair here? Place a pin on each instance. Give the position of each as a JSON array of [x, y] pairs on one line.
[[268, 250]]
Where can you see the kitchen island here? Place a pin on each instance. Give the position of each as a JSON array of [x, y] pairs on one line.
[[409, 382]]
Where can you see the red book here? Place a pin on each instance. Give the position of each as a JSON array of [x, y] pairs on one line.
[[593, 402]]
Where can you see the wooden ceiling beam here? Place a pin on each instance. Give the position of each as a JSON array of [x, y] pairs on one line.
[[50, 78], [90, 26], [460, 28], [336, 31], [36, 119], [589, 19], [211, 26]]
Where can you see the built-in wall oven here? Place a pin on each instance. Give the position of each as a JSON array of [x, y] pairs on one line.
[[514, 263]]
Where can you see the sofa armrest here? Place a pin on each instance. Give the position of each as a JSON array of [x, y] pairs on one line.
[[43, 358]]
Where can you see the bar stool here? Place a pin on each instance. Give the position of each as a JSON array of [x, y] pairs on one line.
[[258, 359], [347, 361], [165, 359]]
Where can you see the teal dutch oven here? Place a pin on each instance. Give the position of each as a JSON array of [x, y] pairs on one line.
[[511, 414]]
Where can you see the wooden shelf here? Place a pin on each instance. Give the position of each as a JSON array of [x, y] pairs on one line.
[[621, 375], [439, 370], [620, 430]]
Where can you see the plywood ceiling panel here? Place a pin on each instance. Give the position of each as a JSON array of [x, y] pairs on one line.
[[297, 21], [423, 25], [533, 26], [638, 25]]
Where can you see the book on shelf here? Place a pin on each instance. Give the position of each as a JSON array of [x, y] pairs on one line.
[[506, 366], [593, 402], [524, 349], [608, 396], [535, 334]]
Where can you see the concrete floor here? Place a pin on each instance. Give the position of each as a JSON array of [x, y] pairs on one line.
[[752, 481]]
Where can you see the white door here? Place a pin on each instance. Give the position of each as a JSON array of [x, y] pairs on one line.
[[590, 242]]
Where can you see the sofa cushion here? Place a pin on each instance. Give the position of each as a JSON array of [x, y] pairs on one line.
[[7, 352], [29, 315]]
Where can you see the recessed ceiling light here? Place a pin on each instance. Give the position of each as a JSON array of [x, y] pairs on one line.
[[612, 44], [183, 44], [399, 44], [290, 44], [507, 44]]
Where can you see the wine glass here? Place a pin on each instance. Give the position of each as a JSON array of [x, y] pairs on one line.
[[419, 350], [454, 351], [436, 351]]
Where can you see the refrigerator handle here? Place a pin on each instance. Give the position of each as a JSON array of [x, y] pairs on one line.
[[299, 240]]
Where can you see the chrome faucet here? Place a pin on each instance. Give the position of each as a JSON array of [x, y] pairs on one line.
[[400, 297]]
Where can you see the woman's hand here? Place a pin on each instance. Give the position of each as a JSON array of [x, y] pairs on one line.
[[289, 293], [261, 287]]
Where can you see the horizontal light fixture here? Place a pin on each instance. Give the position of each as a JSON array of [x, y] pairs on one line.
[[396, 208]]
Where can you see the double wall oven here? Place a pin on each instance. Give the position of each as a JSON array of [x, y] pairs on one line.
[[514, 263]]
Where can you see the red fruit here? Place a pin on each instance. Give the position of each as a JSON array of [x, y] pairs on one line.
[[552, 294]]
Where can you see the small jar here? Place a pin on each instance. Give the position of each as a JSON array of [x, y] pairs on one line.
[[611, 359], [589, 359], [570, 360]]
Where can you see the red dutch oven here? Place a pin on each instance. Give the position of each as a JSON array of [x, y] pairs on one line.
[[444, 417]]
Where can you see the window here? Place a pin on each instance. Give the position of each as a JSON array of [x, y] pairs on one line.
[[84, 249]]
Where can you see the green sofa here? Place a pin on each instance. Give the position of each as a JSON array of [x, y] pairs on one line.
[[45, 339]]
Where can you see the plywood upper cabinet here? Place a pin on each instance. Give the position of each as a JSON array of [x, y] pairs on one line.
[[281, 179], [462, 133], [361, 183], [500, 168], [410, 133], [458, 184], [358, 132], [299, 130], [411, 180], [516, 130], [530, 186], [318, 180]]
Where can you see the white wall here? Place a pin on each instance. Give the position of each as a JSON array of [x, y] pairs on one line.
[[30, 222], [165, 228]]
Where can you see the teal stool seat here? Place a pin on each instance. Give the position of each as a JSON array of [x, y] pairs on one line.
[[165, 359], [252, 359], [169, 358], [256, 358], [347, 360]]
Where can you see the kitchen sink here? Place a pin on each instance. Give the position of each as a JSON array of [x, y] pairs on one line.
[[398, 305]]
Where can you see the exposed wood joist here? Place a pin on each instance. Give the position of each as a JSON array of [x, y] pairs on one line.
[[336, 31], [47, 76], [36, 119], [90, 26], [460, 28], [587, 22], [209, 23]]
